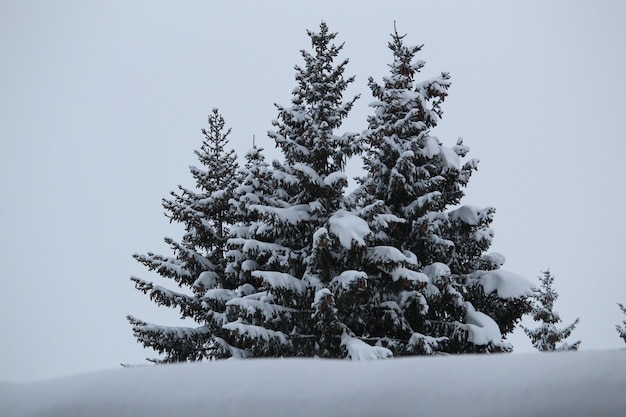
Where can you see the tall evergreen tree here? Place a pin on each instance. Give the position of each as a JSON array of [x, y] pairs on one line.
[[254, 245], [546, 337], [417, 179], [294, 237], [255, 189], [198, 263], [621, 329]]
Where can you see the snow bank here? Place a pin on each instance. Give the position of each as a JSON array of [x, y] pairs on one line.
[[551, 384]]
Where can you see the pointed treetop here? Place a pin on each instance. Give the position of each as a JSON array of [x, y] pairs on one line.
[[403, 69], [306, 129]]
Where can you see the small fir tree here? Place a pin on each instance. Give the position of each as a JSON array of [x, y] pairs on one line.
[[198, 263], [621, 329], [547, 336], [253, 245]]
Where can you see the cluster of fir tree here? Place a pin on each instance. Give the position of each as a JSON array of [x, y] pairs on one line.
[[278, 260]]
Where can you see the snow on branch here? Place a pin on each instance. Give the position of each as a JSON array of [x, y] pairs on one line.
[[349, 278], [174, 332], [256, 246], [174, 340], [256, 332], [281, 280], [408, 274], [493, 260], [292, 215], [165, 265], [254, 307], [219, 294], [358, 350], [482, 329], [450, 159], [336, 177], [309, 172], [472, 215], [189, 306], [206, 279], [437, 272], [506, 284], [426, 345], [389, 254], [348, 228]]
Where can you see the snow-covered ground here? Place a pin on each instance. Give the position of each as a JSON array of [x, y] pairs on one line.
[[548, 384]]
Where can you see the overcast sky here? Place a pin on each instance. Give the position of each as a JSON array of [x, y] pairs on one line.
[[102, 102]]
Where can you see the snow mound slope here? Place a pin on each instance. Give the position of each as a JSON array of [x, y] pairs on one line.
[[550, 384]]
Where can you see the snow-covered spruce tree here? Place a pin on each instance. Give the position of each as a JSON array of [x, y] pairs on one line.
[[253, 245], [198, 263], [546, 337], [300, 250], [437, 290], [621, 329]]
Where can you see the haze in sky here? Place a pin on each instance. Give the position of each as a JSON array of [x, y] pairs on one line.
[[102, 105]]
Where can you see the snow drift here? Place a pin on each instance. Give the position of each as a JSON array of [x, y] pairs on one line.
[[550, 384]]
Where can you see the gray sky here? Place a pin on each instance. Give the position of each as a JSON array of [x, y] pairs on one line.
[[102, 103]]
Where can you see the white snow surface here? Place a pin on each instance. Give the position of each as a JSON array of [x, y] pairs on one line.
[[556, 384], [507, 284]]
